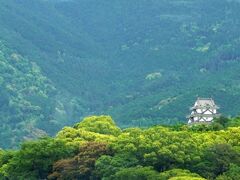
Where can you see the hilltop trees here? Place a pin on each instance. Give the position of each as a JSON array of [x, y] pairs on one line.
[[99, 124], [88, 152]]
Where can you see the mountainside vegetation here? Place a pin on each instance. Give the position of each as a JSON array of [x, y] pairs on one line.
[[96, 148], [27, 99], [144, 62]]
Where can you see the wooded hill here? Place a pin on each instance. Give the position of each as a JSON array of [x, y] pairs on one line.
[[96, 148]]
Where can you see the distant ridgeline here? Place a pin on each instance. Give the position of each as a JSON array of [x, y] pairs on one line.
[[96, 148]]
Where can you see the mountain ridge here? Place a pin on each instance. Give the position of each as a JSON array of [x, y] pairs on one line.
[[142, 62]]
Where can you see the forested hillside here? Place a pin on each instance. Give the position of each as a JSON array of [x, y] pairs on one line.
[[144, 62], [27, 100], [97, 149]]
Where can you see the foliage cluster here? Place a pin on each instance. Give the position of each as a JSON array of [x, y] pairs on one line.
[[154, 153]]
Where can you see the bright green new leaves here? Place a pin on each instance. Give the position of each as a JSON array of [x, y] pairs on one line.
[[165, 149], [97, 149], [175, 174], [99, 124], [137, 173], [148, 173], [95, 128]]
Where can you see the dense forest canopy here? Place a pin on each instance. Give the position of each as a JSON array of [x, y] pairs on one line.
[[96, 148], [144, 62]]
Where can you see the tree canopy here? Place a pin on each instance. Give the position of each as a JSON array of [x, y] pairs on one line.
[[87, 152]]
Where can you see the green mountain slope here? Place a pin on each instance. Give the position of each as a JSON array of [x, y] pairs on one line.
[[188, 44], [142, 61], [27, 99]]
